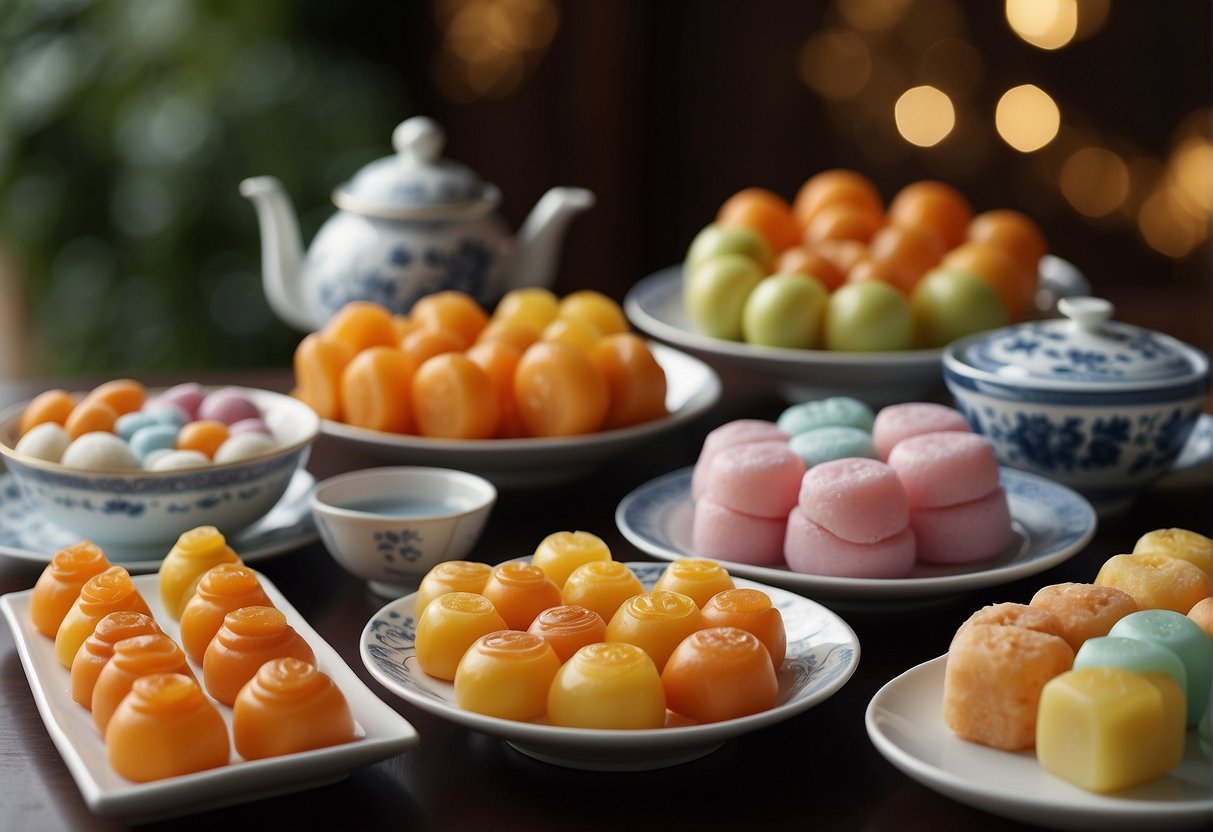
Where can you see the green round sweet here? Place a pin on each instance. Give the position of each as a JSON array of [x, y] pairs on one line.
[[785, 310], [949, 304], [718, 239], [715, 294], [870, 316]]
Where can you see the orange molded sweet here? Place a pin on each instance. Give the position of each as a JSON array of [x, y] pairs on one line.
[[132, 658], [531, 306], [203, 435], [568, 628], [90, 417], [361, 324], [831, 187], [506, 674], [289, 706], [698, 578], [720, 673], [48, 406], [762, 211], [451, 576], [750, 610], [98, 648], [454, 312], [106, 592], [656, 622], [165, 728], [933, 206], [614, 686], [559, 391], [249, 637], [560, 553], [375, 390], [59, 585], [195, 552], [319, 363], [448, 625], [124, 395], [1014, 282], [519, 592], [453, 398], [635, 381], [222, 588], [499, 359], [601, 586]]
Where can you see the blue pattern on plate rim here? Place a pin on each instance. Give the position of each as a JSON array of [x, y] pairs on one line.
[[811, 664]]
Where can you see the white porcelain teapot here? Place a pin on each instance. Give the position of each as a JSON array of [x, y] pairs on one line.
[[407, 225]]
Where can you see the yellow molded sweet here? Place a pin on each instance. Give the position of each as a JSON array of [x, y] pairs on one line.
[[195, 552], [698, 578], [601, 586], [105, 592], [1106, 729], [560, 553], [656, 622], [506, 674], [1156, 582], [447, 627], [451, 576]]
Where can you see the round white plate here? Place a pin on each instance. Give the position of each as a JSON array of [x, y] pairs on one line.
[[905, 723], [27, 535], [692, 388], [1051, 524], [654, 305], [822, 654]]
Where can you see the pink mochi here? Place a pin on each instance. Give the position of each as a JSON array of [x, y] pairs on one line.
[[901, 421], [758, 478], [228, 406], [813, 550], [860, 500], [945, 468], [737, 432], [720, 533], [187, 396], [967, 533]]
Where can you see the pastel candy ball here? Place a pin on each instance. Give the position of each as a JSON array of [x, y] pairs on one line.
[[737, 432], [228, 406], [832, 442], [153, 437], [243, 446], [860, 500], [188, 396], [46, 441], [167, 413], [759, 478], [836, 411], [1183, 637], [721, 533], [967, 533], [128, 424], [901, 421], [99, 451], [810, 549], [149, 461], [252, 425], [945, 468], [180, 460]]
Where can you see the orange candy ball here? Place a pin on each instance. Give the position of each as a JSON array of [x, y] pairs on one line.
[[762, 211], [319, 363], [124, 395], [842, 221], [935, 207], [635, 380], [452, 312], [166, 728], [289, 706], [361, 324], [203, 435], [750, 610], [98, 649], [90, 416], [133, 657], [48, 406], [519, 592], [453, 398], [720, 673], [559, 391], [832, 187], [568, 628], [1011, 231], [375, 390]]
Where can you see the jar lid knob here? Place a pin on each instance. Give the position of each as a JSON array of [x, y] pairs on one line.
[[1088, 314], [419, 138]]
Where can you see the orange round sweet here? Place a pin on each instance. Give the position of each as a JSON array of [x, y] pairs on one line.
[[166, 728], [375, 390], [124, 395], [424, 343], [1014, 282], [844, 254], [59, 585], [636, 382], [319, 363], [575, 332], [870, 268], [762, 211], [289, 706], [1011, 231], [451, 311], [568, 628], [935, 207], [133, 657], [750, 610], [499, 359], [453, 398], [88, 417], [516, 334], [519, 592], [911, 251], [48, 406], [361, 324], [831, 187], [595, 308], [559, 391], [204, 436], [801, 260], [720, 673], [531, 306], [841, 221], [249, 637], [451, 576]]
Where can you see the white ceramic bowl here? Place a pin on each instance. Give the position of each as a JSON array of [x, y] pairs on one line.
[[152, 508], [389, 526], [654, 305], [1102, 407]]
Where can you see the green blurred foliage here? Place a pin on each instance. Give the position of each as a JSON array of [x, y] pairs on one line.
[[125, 129]]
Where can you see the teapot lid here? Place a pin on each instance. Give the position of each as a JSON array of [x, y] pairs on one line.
[[1085, 347], [416, 183]]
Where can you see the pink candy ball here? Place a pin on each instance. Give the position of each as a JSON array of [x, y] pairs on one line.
[[253, 425], [228, 406], [187, 396]]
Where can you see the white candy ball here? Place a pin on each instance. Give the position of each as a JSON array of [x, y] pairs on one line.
[[46, 441], [244, 445], [179, 460], [149, 460], [99, 451]]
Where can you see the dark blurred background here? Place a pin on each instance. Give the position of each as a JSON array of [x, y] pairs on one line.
[[126, 126]]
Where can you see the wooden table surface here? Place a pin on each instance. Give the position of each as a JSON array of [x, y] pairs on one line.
[[817, 770]]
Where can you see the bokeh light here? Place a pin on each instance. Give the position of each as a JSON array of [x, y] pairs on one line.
[[1027, 118], [924, 115], [836, 64], [1095, 181], [489, 47], [1047, 24]]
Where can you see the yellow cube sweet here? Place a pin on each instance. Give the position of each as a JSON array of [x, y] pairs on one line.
[[1156, 582], [1105, 729]]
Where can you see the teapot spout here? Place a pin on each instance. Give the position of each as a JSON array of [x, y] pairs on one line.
[[539, 239], [281, 250]]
